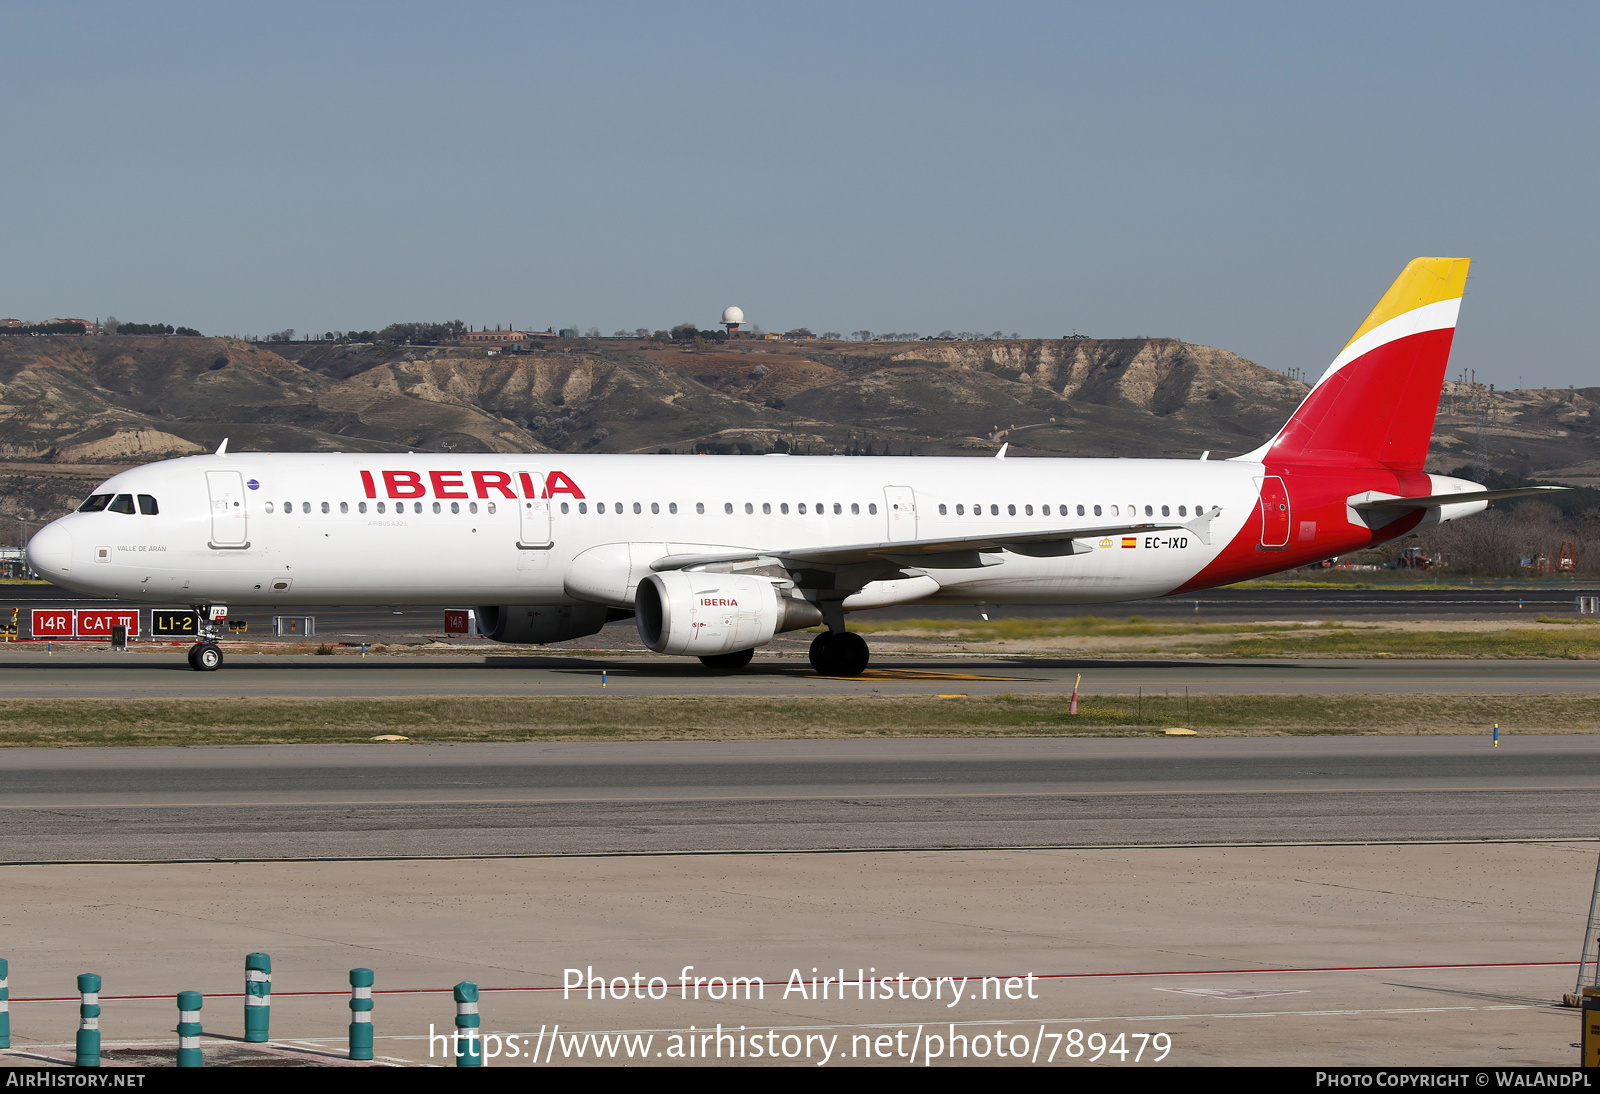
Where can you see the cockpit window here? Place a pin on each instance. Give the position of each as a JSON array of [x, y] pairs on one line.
[[122, 503], [147, 505], [95, 503]]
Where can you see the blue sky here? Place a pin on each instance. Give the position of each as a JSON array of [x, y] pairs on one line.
[[1248, 176]]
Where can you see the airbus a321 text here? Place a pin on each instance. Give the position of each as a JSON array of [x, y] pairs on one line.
[[712, 556]]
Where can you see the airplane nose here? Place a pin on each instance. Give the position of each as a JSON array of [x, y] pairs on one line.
[[50, 551]]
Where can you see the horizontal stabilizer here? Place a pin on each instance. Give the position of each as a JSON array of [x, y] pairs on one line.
[[1429, 501]]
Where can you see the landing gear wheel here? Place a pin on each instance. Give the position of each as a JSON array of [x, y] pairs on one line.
[[205, 657], [736, 660], [842, 654]]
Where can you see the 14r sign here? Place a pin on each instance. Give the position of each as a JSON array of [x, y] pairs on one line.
[[82, 622]]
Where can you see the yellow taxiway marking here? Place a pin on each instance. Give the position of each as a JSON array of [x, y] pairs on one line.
[[917, 674]]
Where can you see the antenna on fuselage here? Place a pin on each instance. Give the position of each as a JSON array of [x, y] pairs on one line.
[[1000, 455], [222, 449]]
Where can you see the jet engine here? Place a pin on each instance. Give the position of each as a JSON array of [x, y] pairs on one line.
[[537, 624], [706, 614]]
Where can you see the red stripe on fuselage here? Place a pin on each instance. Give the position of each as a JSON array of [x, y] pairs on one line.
[[1317, 496]]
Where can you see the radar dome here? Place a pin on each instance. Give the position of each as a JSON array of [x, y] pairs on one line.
[[733, 315]]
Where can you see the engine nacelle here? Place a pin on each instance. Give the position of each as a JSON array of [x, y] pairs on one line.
[[704, 614], [538, 624]]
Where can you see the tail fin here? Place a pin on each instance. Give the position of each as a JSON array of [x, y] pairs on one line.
[[1376, 403]]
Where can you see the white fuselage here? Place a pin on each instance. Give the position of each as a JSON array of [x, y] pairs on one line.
[[292, 529]]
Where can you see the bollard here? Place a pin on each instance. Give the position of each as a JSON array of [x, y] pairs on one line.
[[361, 1014], [257, 997], [467, 1026], [88, 1021], [5, 1003], [189, 1004]]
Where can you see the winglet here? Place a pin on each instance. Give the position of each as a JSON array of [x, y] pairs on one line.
[[222, 449]]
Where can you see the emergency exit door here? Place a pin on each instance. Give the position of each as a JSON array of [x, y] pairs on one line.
[[900, 506], [534, 531]]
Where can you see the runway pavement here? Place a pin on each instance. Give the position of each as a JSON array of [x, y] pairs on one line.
[[94, 672], [398, 800]]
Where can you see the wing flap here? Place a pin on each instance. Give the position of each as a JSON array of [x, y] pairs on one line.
[[955, 552]]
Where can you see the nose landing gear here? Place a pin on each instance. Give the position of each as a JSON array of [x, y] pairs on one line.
[[205, 656]]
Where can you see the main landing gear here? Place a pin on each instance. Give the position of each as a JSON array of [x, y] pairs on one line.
[[842, 653], [736, 660], [205, 656]]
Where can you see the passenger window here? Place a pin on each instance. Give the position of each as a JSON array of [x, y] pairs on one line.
[[325, 507], [636, 508], [1114, 511], [564, 507], [416, 506], [95, 503], [122, 503], [472, 507], [361, 507], [783, 507], [583, 507], [455, 507], [961, 510], [436, 507], [147, 505], [766, 508], [1149, 512], [344, 507], [1097, 510], [490, 506], [599, 507], [749, 509], [380, 507], [994, 510], [305, 507], [288, 507], [836, 509], [655, 507], [1045, 511], [672, 507], [1011, 510], [872, 508], [727, 507], [269, 507], [855, 509], [1165, 511], [1183, 510], [942, 509]]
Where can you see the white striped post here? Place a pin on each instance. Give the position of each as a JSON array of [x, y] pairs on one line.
[[360, 1014], [88, 1045], [257, 996], [5, 1003], [189, 1004], [471, 1053]]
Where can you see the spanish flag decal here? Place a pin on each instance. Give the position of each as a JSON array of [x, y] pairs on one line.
[[1130, 541]]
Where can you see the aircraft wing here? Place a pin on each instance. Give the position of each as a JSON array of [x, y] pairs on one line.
[[952, 552], [1381, 502]]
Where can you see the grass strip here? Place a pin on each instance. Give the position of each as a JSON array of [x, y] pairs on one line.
[[1574, 644], [68, 722]]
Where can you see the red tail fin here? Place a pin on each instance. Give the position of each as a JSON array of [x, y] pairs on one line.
[[1376, 403]]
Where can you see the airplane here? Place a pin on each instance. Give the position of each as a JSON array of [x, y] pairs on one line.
[[714, 555]]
